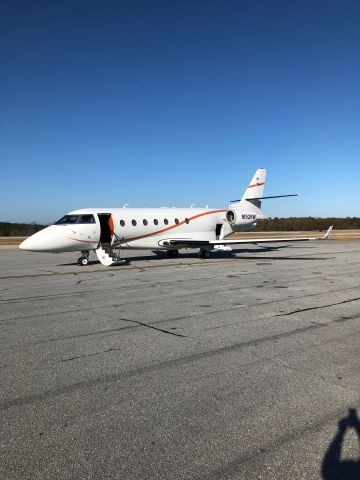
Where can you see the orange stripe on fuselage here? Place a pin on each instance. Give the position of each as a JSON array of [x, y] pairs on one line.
[[83, 241], [171, 226]]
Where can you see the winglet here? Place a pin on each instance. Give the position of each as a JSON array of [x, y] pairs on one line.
[[328, 233]]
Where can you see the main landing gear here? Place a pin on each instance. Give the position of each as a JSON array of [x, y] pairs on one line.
[[172, 253], [204, 253], [84, 259]]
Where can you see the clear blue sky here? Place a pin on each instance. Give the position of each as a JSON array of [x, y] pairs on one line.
[[166, 102]]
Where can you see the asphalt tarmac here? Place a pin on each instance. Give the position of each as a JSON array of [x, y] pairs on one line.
[[243, 366]]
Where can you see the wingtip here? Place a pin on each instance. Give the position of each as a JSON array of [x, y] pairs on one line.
[[328, 233]]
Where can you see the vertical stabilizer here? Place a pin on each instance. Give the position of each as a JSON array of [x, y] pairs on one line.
[[255, 188]]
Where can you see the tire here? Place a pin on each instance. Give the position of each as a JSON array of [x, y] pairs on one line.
[[204, 253], [83, 261]]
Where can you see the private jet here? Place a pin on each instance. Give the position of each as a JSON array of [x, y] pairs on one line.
[[108, 230]]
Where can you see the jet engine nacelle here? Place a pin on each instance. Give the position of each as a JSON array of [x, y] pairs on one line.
[[238, 218]]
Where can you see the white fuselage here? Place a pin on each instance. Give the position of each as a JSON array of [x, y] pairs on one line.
[[139, 228]]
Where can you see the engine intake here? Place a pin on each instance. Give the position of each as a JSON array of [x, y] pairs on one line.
[[231, 217], [241, 217]]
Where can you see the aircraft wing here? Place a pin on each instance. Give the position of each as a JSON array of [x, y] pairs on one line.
[[202, 243], [261, 240]]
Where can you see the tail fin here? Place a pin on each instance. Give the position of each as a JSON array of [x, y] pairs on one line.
[[255, 188]]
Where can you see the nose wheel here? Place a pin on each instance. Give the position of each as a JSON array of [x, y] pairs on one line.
[[204, 253], [84, 259]]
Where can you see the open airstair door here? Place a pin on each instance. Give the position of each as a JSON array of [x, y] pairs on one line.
[[106, 227], [106, 252]]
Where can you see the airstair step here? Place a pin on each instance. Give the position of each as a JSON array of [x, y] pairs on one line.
[[108, 257]]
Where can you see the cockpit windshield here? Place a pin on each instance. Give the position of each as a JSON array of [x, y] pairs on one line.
[[69, 219]]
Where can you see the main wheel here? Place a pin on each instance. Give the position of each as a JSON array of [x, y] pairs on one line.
[[83, 261]]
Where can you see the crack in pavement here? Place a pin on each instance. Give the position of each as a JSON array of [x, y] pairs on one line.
[[88, 355], [152, 327], [345, 318], [316, 308], [53, 295], [116, 329]]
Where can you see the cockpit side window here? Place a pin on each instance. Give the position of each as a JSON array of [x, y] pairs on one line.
[[87, 219], [68, 219]]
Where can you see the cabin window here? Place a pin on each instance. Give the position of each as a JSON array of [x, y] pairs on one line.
[[187, 220], [145, 222], [155, 221], [176, 221], [133, 222], [166, 221], [122, 223]]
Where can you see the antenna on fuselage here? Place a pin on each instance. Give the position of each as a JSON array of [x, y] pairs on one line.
[[192, 205], [125, 205]]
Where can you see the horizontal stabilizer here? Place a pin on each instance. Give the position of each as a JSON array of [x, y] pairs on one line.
[[265, 198]]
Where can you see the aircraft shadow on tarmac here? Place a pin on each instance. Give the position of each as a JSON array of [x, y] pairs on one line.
[[234, 254], [333, 467]]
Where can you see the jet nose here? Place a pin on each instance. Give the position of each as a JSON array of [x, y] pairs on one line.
[[46, 240], [24, 245], [36, 242]]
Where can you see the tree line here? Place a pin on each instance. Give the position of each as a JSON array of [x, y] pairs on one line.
[[307, 223], [8, 229]]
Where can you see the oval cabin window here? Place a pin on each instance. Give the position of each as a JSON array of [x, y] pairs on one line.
[[145, 222], [133, 222], [122, 223], [187, 220], [166, 221], [155, 221], [176, 221]]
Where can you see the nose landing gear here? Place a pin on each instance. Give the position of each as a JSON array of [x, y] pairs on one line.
[[84, 259], [205, 253]]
